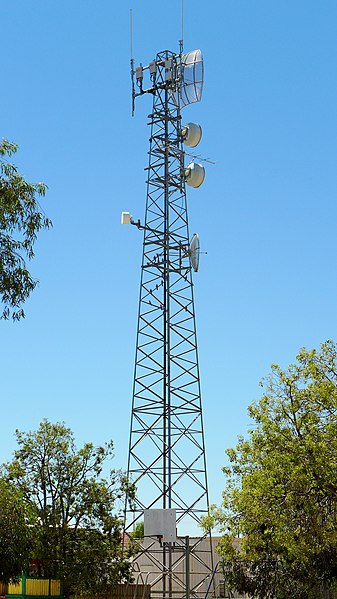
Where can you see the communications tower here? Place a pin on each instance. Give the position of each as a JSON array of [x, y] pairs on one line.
[[166, 448]]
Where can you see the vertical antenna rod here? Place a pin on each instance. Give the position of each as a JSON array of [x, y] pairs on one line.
[[132, 66], [181, 42]]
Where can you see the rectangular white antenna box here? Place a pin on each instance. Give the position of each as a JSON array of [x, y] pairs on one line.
[[126, 218], [161, 523]]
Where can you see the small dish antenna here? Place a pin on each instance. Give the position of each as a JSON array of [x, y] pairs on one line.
[[194, 174], [195, 252], [191, 135]]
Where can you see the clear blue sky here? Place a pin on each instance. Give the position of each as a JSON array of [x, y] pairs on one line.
[[266, 214]]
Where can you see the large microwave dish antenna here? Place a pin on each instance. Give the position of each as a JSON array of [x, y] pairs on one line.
[[195, 252], [192, 78]]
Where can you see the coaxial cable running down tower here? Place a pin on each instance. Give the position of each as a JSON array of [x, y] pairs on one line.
[[166, 449]]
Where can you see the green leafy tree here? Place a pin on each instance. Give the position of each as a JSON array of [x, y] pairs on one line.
[[21, 219], [79, 536], [138, 532], [136, 538], [16, 516], [280, 499]]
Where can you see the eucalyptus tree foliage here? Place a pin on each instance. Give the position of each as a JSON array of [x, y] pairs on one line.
[[16, 525], [280, 498], [79, 509], [21, 218]]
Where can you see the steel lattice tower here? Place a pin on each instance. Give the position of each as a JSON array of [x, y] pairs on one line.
[[166, 447]]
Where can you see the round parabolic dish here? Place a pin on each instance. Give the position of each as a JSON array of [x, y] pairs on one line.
[[194, 174], [192, 135], [195, 252], [192, 78]]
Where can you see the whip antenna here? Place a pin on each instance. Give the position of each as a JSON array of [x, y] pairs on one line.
[[132, 67], [181, 42]]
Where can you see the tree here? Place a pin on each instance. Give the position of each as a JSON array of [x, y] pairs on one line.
[[15, 532], [138, 532], [21, 219], [281, 493], [79, 536]]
